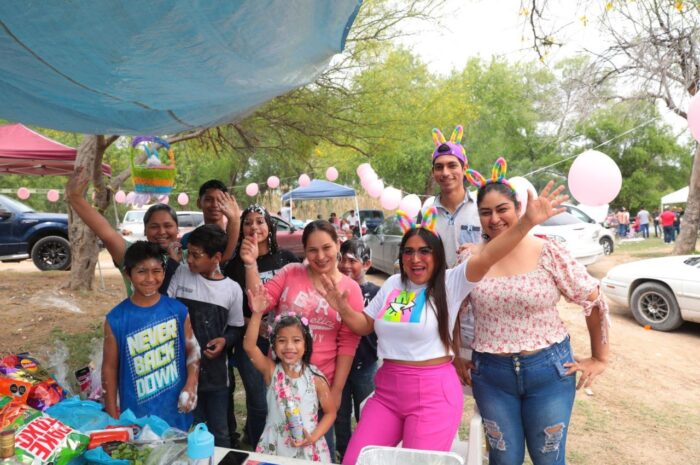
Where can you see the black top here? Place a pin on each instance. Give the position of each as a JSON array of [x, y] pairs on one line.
[[366, 353], [268, 266]]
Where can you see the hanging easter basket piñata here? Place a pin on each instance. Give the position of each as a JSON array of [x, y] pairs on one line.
[[153, 178]]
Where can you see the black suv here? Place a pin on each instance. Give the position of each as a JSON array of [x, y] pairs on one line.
[[25, 233]]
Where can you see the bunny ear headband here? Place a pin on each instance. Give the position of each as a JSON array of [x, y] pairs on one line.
[[452, 147], [498, 176], [428, 222]]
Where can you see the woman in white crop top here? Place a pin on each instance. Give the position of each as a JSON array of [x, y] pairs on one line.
[[418, 395], [523, 372]]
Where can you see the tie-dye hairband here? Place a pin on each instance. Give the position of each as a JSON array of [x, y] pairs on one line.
[[429, 221], [498, 175], [452, 147]]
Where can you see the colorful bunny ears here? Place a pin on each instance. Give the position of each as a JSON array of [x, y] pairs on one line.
[[451, 147], [498, 175], [429, 221]]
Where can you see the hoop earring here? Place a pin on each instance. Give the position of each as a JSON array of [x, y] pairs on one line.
[[485, 236]]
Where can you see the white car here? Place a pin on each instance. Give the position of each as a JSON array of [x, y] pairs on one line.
[[661, 292], [607, 237], [581, 238], [132, 226]]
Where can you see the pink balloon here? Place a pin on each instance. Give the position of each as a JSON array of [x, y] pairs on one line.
[[694, 117], [390, 198], [362, 168], [23, 193], [163, 199], [130, 197], [273, 182], [120, 197], [332, 173], [375, 188], [251, 189], [304, 180], [594, 178], [368, 178], [410, 204], [183, 199], [52, 195]]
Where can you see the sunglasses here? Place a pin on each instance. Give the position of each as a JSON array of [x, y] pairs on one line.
[[422, 252]]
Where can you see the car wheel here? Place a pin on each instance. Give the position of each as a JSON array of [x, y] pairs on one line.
[[608, 245], [51, 253], [655, 305]]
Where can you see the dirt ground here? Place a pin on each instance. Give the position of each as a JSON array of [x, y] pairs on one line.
[[645, 409]]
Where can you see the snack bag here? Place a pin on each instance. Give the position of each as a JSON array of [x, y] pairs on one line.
[[15, 388], [45, 391], [40, 439]]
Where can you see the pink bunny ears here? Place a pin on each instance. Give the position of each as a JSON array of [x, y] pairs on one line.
[[452, 147], [498, 175], [429, 221]]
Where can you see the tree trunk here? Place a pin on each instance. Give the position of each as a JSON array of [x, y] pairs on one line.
[[685, 242], [83, 242]]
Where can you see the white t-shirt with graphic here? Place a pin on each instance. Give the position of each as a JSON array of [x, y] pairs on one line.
[[405, 322]]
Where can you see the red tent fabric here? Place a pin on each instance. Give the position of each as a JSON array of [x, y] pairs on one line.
[[23, 151]]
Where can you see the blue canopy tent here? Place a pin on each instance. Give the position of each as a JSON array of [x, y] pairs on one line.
[[160, 66], [318, 190]]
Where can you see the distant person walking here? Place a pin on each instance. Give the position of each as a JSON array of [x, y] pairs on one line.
[[657, 226], [623, 221], [667, 219], [643, 217]]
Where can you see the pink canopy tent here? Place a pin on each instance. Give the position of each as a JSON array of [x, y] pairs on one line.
[[25, 152]]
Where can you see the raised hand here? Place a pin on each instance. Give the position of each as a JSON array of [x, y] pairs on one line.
[[546, 205], [258, 301], [228, 205], [77, 183], [332, 294], [249, 250]]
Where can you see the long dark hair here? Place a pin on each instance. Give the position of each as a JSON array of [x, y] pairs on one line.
[[271, 227], [436, 284], [319, 225], [501, 189], [285, 321]]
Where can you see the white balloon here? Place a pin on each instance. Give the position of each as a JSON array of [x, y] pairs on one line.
[[522, 186], [410, 204], [375, 188], [428, 202], [390, 198]]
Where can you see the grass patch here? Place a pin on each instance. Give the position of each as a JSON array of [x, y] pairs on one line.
[[79, 345]]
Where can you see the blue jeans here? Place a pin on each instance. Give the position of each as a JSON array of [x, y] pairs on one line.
[[669, 234], [644, 229], [209, 410], [359, 385], [525, 399], [255, 391]]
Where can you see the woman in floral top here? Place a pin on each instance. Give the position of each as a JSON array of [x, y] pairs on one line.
[[523, 372], [295, 387]]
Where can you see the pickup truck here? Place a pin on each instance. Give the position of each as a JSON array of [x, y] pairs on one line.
[[25, 233]]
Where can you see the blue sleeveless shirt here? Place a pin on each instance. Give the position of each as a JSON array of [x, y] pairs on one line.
[[152, 358]]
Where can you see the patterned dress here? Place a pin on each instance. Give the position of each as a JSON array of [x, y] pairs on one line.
[[276, 438]]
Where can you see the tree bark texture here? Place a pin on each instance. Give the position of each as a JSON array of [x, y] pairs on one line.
[[685, 242], [83, 242]]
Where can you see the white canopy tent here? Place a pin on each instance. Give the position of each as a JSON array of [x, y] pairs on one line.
[[680, 196]]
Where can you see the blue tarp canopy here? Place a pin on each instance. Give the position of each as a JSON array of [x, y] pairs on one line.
[[319, 189], [159, 66]]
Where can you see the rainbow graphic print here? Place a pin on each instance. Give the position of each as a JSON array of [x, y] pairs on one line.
[[403, 306]]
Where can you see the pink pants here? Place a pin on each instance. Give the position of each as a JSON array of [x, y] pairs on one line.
[[421, 406]]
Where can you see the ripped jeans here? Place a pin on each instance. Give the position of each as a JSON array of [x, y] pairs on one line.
[[525, 399]]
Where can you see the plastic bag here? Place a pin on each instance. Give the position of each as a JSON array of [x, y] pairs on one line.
[[45, 391], [40, 439], [167, 454], [83, 415]]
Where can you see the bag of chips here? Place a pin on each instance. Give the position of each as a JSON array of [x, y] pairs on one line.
[[40, 439], [44, 392]]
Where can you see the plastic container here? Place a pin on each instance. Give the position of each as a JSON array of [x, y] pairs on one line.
[[293, 414], [376, 455], [200, 446]]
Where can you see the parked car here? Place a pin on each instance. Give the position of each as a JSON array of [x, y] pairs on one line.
[[383, 243], [582, 239], [607, 237], [369, 219], [25, 233], [132, 227], [289, 237], [661, 292]]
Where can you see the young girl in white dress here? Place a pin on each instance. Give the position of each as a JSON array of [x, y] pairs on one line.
[[294, 386]]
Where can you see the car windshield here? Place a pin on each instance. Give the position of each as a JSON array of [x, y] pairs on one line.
[[562, 219], [693, 261], [371, 214], [134, 216], [15, 205]]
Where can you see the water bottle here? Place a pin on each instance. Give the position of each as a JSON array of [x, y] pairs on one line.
[[293, 414], [200, 446]]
